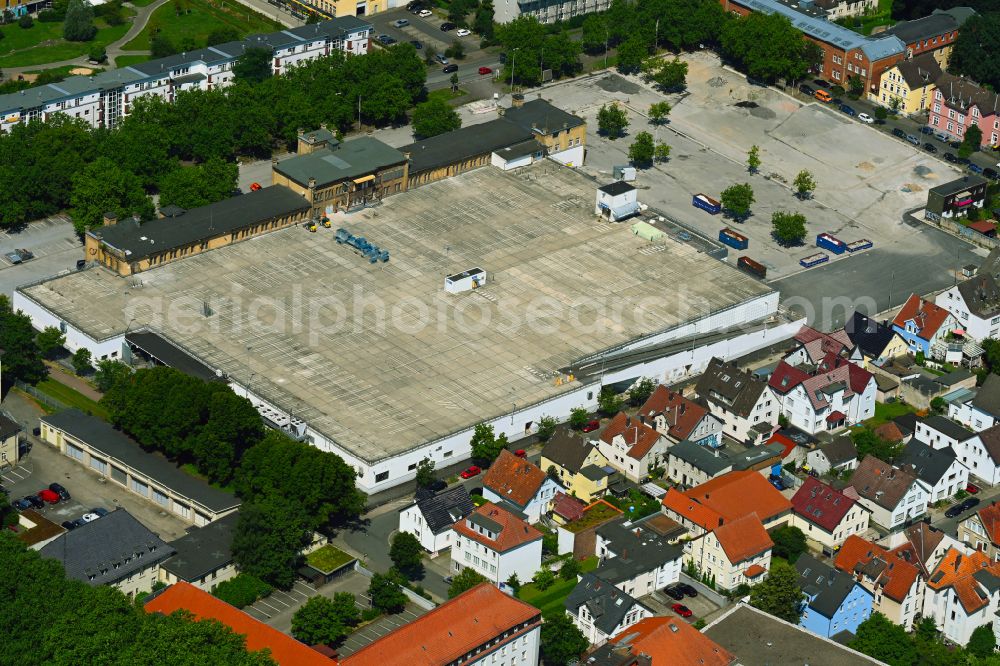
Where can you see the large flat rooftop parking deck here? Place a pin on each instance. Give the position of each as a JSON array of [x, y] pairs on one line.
[[378, 357]]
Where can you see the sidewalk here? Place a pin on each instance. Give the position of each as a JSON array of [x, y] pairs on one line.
[[59, 374]]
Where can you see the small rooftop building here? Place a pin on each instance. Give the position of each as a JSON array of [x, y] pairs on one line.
[[616, 201], [956, 198]]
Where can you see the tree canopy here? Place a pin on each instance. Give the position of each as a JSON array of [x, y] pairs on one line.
[[433, 117], [884, 640], [407, 555], [768, 47], [642, 149], [486, 446], [612, 121], [21, 359], [869, 443], [779, 594], [268, 539], [974, 52], [788, 228], [737, 199], [464, 580], [531, 48], [102, 187], [325, 621], [254, 65], [386, 593], [199, 185], [78, 26], [561, 641], [789, 542]]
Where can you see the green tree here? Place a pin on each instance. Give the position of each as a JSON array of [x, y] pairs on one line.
[[103, 186], [641, 390], [78, 26], [50, 340], [546, 428], [753, 159], [221, 35], [386, 592], [971, 141], [779, 594], [268, 540], [886, 641], [804, 184], [658, 112], [242, 590], [515, 584], [407, 555], [767, 46], [578, 417], [974, 53], [609, 403], [983, 642], [425, 473], [21, 359], [661, 153], [485, 445], [483, 24], [855, 86], [561, 641], [939, 405], [789, 542], [788, 228], [464, 580], [26, 22], [543, 578], [97, 53], [433, 117], [666, 74], [325, 621], [642, 149], [570, 569], [594, 34], [737, 199], [631, 54], [160, 46], [254, 65], [880, 113], [869, 444], [612, 121], [81, 360]]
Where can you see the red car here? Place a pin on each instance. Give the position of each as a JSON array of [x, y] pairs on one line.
[[485, 70], [254, 187], [972, 489], [49, 496], [521, 453], [471, 472], [682, 610], [592, 426]]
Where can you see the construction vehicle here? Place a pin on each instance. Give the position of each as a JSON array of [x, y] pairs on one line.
[[311, 226], [326, 222]]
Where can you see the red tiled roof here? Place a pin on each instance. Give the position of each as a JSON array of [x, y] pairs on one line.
[[743, 538], [739, 493], [450, 631], [786, 377], [669, 641], [638, 436], [989, 516], [754, 570], [514, 532], [983, 226], [890, 432], [568, 507], [285, 650], [836, 416], [892, 572], [690, 509], [818, 344], [927, 316], [821, 504], [514, 479], [681, 414], [956, 571]]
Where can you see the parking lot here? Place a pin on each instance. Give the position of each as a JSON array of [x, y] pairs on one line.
[[379, 628], [54, 244]]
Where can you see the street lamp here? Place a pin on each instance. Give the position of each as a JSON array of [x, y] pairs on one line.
[[513, 55]]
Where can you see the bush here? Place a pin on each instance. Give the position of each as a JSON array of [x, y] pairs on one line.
[[369, 614], [49, 16], [26, 21], [242, 590]]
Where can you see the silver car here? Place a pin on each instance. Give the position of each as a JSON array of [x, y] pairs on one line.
[[401, 23]]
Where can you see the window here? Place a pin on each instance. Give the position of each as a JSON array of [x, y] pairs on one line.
[[100, 465], [381, 476], [139, 487], [160, 497]]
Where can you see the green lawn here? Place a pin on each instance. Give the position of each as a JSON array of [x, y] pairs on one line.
[[43, 43], [202, 18], [885, 412], [71, 397], [446, 94], [126, 60], [328, 558], [64, 71], [551, 600]]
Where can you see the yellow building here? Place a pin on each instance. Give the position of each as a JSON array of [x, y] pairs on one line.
[[878, 342], [338, 8], [909, 86], [578, 465], [9, 431]]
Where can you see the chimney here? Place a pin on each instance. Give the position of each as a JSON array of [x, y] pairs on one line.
[[517, 100], [312, 183], [110, 219]]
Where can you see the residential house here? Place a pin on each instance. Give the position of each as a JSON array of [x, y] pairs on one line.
[[922, 545], [826, 396], [922, 323], [480, 627], [284, 650], [733, 553], [578, 464], [959, 104], [813, 346], [877, 341], [891, 432], [834, 602], [963, 593], [578, 535], [827, 516], [726, 498], [432, 515], [661, 641], [981, 454], [563, 134], [892, 495], [981, 531], [932, 35], [980, 409], [521, 484], [639, 557], [566, 508], [837, 455], [939, 471], [745, 404], [957, 198], [9, 449], [895, 582], [680, 418], [96, 445], [632, 447], [600, 610], [939, 432], [115, 550], [203, 557], [909, 85], [976, 304], [691, 464], [496, 543]]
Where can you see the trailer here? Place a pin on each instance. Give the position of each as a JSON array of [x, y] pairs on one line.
[[706, 203], [831, 243], [748, 265], [733, 239], [858, 245], [814, 260]]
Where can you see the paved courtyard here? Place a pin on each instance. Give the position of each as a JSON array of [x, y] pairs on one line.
[[54, 244]]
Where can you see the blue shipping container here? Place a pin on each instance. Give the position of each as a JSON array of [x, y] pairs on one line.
[[814, 260], [734, 240], [831, 243], [706, 203], [858, 245]]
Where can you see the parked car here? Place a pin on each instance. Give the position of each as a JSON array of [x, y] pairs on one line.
[[255, 187], [807, 90], [898, 132], [930, 147], [972, 489], [471, 472], [776, 482], [448, 69], [682, 610], [821, 83], [424, 13], [837, 101], [26, 255], [13, 257], [954, 510], [441, 59], [521, 453], [446, 26], [592, 426], [385, 40], [941, 136], [823, 96], [401, 23], [88, 517], [22, 504], [101, 512], [974, 168], [970, 503], [485, 70], [913, 139], [926, 130], [49, 496], [674, 592], [688, 590], [950, 158], [865, 118], [80, 522], [463, 32], [417, 44], [848, 110], [69, 525], [59, 490], [36, 501]]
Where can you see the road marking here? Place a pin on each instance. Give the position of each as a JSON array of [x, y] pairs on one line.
[[276, 610]]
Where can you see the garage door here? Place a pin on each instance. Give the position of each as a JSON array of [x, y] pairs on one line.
[[100, 465], [74, 452], [139, 487], [119, 475]]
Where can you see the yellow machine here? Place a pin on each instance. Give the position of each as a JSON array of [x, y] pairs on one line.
[[311, 226], [326, 222]]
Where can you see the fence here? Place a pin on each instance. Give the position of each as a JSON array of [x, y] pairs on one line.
[[39, 396], [716, 598]]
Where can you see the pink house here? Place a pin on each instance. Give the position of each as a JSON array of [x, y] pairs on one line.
[[959, 103]]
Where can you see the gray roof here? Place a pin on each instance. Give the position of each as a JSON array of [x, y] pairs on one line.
[[826, 587], [960, 14], [920, 71], [756, 455], [444, 509], [568, 449], [203, 550], [107, 550], [947, 427], [350, 159], [881, 483], [870, 336], [220, 218], [638, 549], [981, 295], [988, 396], [8, 427], [606, 603], [169, 354], [709, 461], [463, 144], [724, 383], [840, 450], [102, 437], [616, 188], [928, 27], [930, 464], [958, 185], [542, 118]]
